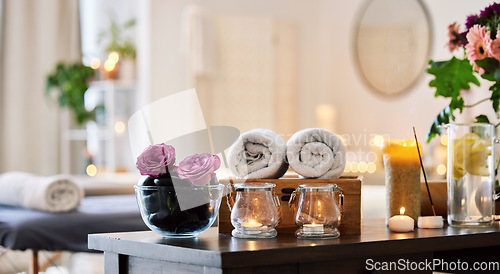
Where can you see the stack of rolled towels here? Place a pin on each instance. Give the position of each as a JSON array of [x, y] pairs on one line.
[[311, 153], [57, 193]]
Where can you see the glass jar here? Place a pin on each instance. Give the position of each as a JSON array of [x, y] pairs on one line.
[[471, 174], [317, 214], [255, 211]]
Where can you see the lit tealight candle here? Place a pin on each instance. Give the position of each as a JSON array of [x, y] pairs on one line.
[[312, 228], [251, 224], [251, 227], [430, 222], [401, 223]]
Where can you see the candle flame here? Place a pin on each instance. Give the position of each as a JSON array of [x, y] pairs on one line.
[[402, 210]]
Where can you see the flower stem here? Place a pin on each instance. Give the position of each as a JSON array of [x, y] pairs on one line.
[[477, 103]]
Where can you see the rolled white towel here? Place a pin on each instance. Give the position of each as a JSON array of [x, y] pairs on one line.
[[57, 193], [316, 153], [258, 154]]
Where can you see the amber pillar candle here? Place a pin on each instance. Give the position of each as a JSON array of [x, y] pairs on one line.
[[402, 178]]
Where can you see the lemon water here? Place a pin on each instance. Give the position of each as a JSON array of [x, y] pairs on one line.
[[471, 174], [470, 201]]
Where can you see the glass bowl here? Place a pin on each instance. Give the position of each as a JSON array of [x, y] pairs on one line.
[[180, 212]]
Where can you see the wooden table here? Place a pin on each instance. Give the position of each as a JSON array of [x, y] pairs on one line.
[[376, 247]]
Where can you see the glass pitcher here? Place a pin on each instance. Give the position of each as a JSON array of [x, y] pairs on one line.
[[317, 214], [255, 211], [471, 174]]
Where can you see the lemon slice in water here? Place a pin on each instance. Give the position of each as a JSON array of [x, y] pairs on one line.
[[470, 155], [478, 161]]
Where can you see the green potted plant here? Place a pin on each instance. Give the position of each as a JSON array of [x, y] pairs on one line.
[[115, 39], [69, 83]]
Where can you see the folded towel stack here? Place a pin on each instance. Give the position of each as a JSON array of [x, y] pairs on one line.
[[316, 153], [258, 154], [54, 194]]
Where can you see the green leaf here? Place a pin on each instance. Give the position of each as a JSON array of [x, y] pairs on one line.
[[488, 76], [457, 103], [69, 82], [482, 119], [130, 23], [451, 77], [491, 69], [495, 96], [489, 65], [497, 74], [443, 118]]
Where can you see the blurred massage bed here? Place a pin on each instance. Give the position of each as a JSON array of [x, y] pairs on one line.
[[26, 229]]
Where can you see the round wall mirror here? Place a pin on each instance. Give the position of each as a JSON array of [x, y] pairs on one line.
[[392, 44]]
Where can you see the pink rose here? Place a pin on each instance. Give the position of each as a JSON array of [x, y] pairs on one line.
[[155, 160], [199, 169]]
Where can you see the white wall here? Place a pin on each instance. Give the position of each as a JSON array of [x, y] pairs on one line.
[[360, 110], [327, 72], [168, 67]]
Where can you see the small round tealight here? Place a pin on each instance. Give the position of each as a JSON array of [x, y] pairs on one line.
[[430, 222], [401, 223]]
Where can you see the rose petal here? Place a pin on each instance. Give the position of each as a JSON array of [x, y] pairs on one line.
[[201, 181], [199, 168]]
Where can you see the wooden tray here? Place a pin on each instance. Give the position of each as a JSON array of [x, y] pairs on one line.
[[351, 219]]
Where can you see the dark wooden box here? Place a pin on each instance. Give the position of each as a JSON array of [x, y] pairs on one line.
[[351, 219]]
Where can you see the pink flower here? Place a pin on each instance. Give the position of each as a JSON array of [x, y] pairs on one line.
[[454, 41], [199, 169], [478, 47], [155, 160], [495, 47]]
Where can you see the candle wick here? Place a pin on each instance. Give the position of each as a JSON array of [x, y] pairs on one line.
[[423, 171]]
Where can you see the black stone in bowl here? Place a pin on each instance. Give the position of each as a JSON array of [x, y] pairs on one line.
[[160, 209]]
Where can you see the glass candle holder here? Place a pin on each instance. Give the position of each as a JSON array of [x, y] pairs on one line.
[[402, 178], [255, 213], [317, 215]]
